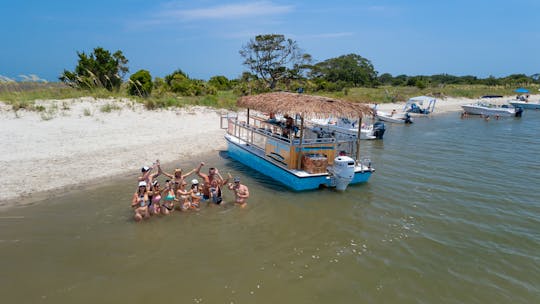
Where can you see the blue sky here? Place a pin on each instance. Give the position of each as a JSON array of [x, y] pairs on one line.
[[203, 37]]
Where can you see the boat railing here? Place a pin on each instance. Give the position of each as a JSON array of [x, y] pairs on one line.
[[247, 132]]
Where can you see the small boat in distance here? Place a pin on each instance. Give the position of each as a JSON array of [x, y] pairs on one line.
[[489, 109], [344, 127], [525, 105], [420, 105], [292, 153], [394, 117]]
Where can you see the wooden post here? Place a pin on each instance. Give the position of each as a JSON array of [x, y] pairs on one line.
[[358, 139], [299, 159], [248, 116]]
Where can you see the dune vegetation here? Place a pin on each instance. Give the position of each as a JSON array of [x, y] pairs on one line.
[[274, 63]]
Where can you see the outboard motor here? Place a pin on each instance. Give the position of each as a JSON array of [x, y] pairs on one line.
[[343, 171], [519, 111], [378, 129], [408, 119]]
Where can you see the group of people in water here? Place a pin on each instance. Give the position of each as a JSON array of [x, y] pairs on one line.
[[153, 199]]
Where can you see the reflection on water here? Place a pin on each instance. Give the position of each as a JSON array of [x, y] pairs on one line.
[[450, 216]]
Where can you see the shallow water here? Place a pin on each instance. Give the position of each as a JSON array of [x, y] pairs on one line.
[[452, 215]]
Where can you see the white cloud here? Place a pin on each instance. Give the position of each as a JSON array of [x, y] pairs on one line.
[[228, 11]]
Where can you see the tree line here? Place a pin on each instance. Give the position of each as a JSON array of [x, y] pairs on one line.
[[273, 62]]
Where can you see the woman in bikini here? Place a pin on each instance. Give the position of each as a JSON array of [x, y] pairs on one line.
[[155, 198], [196, 194], [140, 202], [169, 198], [177, 177], [183, 197]]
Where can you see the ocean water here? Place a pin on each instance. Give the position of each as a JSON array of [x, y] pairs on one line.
[[452, 215]]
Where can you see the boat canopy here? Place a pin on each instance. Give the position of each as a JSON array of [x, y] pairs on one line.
[[416, 105], [308, 106], [421, 99]]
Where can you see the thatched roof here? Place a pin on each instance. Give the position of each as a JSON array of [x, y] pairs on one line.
[[305, 105]]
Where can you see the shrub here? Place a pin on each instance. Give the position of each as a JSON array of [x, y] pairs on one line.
[[140, 84]]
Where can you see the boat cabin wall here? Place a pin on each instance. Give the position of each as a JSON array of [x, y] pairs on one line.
[[289, 154]]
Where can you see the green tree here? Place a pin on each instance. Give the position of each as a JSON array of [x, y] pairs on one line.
[[179, 82], [98, 69], [140, 84], [220, 82], [352, 69], [273, 58], [386, 79]]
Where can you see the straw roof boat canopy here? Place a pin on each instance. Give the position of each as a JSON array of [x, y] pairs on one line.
[[308, 106]]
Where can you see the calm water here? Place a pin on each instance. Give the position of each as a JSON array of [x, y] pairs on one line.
[[452, 215]]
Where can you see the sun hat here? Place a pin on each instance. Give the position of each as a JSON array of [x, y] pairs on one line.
[[195, 181], [142, 184], [144, 169]]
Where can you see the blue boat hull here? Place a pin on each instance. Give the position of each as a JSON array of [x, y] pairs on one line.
[[526, 106], [282, 175]]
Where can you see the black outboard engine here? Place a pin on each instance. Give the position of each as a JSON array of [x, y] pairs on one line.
[[408, 119], [519, 111], [378, 129]]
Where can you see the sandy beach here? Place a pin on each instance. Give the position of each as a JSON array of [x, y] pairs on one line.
[[79, 141]]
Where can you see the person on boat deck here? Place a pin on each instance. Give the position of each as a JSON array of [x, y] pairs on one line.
[[271, 118], [213, 178], [393, 112], [177, 177], [241, 192], [289, 127], [140, 202]]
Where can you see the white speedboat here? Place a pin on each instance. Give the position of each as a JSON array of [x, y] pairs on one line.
[[394, 117], [489, 109], [346, 128]]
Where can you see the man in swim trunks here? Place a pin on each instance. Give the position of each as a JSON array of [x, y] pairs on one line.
[[212, 184], [241, 192]]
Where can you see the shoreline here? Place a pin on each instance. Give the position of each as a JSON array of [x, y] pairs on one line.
[[80, 143], [93, 140]]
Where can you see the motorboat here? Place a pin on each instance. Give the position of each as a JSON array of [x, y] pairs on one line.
[[420, 105], [525, 105], [394, 117], [490, 109], [300, 160], [344, 127]]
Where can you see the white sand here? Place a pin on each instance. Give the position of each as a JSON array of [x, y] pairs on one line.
[[39, 154], [62, 148]]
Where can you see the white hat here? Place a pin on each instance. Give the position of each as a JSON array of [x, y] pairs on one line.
[[194, 181], [142, 184], [145, 168]]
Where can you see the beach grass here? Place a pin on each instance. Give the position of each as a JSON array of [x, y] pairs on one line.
[[385, 94], [22, 95]]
